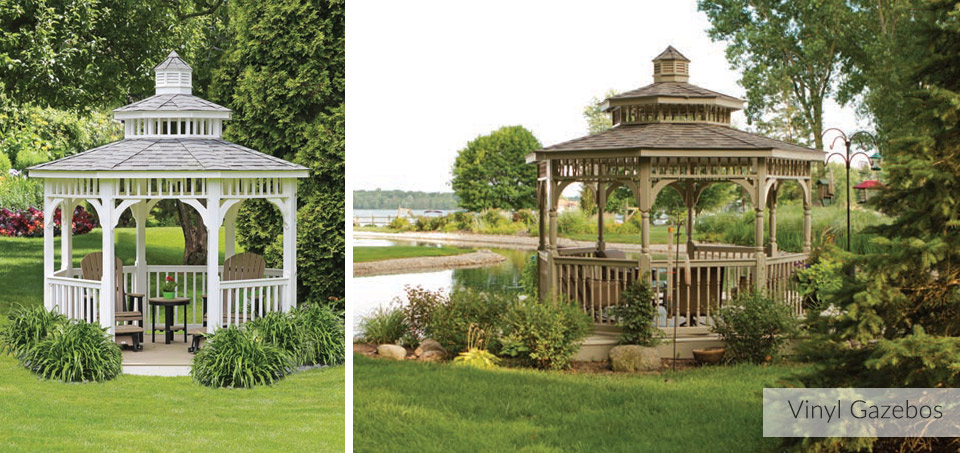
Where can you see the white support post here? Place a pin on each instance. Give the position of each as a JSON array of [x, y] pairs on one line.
[[290, 243], [211, 219], [140, 211], [66, 237], [48, 265], [108, 290]]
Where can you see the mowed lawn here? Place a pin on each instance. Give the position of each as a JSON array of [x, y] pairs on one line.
[[303, 412], [366, 254], [406, 406]]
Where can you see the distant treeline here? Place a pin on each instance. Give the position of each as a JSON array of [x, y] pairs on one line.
[[392, 199]]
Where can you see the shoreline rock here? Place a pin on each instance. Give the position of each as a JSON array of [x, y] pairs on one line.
[[480, 258]]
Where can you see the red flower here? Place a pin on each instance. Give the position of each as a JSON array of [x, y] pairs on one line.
[[169, 278]]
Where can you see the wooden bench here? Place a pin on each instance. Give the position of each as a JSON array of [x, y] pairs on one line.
[[198, 334], [134, 332]]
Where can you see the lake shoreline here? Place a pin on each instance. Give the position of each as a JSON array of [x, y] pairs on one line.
[[498, 241], [480, 258]]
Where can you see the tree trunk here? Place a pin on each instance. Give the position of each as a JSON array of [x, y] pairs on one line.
[[194, 235]]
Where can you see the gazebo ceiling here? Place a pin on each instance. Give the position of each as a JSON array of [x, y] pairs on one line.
[[177, 154]]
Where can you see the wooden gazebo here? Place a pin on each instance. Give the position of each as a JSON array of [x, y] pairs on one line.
[[172, 150], [672, 134]]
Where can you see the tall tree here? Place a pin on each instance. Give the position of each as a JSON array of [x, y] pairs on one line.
[[790, 55], [597, 119], [283, 76], [899, 316], [491, 172]]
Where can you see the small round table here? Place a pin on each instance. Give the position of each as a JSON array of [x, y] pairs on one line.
[[168, 327]]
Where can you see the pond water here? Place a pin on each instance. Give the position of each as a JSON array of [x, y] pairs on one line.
[[384, 290]]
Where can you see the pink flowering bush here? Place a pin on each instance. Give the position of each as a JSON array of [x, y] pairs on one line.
[[29, 222]]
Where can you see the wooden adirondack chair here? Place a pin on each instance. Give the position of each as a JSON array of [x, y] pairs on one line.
[[128, 306], [242, 266]]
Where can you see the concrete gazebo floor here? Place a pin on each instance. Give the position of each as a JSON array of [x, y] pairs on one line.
[[158, 358]]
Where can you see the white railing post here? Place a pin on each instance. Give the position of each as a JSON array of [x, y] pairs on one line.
[[66, 237], [211, 219], [140, 276], [108, 292], [290, 243]]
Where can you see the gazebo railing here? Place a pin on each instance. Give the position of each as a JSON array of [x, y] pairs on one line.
[[245, 299], [75, 298], [724, 252], [596, 285]]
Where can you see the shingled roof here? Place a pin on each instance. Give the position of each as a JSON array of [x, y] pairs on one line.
[[174, 62], [671, 54], [180, 154], [665, 136], [674, 89], [172, 102]]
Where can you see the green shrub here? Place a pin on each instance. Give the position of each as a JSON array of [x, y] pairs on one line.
[[820, 279], [324, 331], [451, 320], [755, 328], [236, 357], [26, 327], [530, 277], [283, 331], [5, 164], [74, 351], [418, 311], [636, 314], [575, 222], [19, 192], [399, 224], [384, 326], [545, 334]]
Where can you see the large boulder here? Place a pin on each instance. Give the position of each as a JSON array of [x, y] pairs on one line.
[[427, 346], [433, 356], [392, 351], [632, 358]]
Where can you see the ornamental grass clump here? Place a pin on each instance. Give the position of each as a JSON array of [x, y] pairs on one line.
[[75, 351], [324, 332], [26, 327], [240, 358], [475, 356], [282, 330], [386, 325]]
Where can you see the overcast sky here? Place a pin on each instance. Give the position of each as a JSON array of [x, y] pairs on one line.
[[426, 77]]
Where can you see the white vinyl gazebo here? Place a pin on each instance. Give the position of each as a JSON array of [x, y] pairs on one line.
[[172, 149]]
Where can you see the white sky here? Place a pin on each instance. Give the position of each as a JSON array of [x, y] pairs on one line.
[[426, 77]]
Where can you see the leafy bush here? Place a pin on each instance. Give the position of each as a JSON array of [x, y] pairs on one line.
[[35, 135], [545, 334], [530, 277], [575, 222], [75, 351], [475, 356], [755, 328], [399, 224], [451, 320], [29, 222], [820, 279], [636, 314], [324, 332], [283, 331], [418, 311], [236, 357], [26, 327], [384, 326]]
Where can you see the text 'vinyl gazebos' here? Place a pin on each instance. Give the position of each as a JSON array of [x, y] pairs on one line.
[[172, 149], [671, 134]]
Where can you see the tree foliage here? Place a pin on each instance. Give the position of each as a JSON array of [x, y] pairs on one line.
[[284, 78], [492, 173], [790, 54]]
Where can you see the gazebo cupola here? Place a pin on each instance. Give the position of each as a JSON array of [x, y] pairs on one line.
[[671, 99], [672, 135], [172, 149]]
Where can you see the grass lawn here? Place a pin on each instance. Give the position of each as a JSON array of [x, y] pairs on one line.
[[365, 254], [303, 412], [440, 407]]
